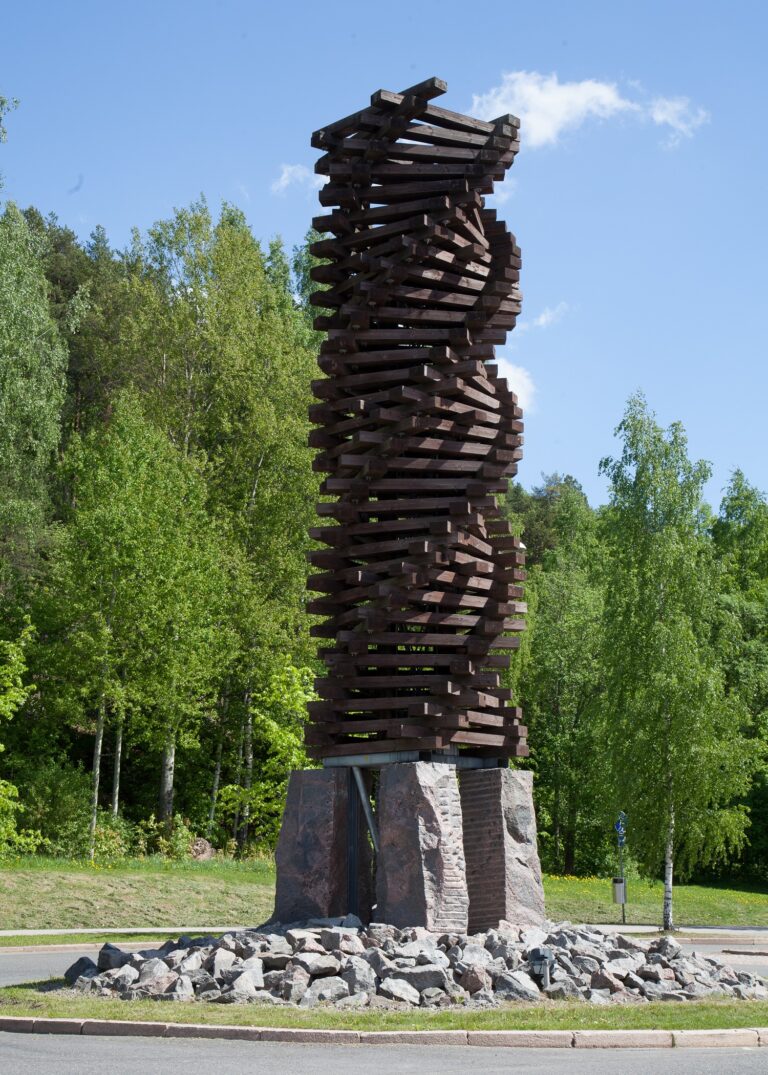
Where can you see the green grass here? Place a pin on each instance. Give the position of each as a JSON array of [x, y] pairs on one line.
[[77, 940], [44, 893], [50, 894], [38, 1000], [589, 899]]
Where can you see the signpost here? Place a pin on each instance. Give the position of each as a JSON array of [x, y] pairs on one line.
[[619, 883]]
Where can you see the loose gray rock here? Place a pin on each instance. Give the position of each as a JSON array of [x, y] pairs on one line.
[[359, 976], [387, 967], [317, 965], [324, 990], [82, 967], [516, 985], [397, 989], [111, 957], [355, 1000]]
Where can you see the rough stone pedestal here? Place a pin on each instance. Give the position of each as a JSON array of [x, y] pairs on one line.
[[420, 874], [503, 869], [312, 850]]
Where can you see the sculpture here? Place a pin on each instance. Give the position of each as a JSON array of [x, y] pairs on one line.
[[417, 433], [421, 575]]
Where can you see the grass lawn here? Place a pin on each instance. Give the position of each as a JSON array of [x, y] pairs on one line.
[[589, 899], [46, 894], [39, 893], [40, 940], [40, 1002]]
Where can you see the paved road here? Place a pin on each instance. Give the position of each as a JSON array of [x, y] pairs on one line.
[[19, 967], [29, 1054]]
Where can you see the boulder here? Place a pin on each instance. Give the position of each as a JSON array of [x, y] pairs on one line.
[[516, 985], [317, 965], [82, 967], [201, 849], [397, 989], [359, 976], [324, 991], [295, 983], [475, 978], [111, 957], [423, 977]]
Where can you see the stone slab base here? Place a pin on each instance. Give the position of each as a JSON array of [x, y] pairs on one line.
[[503, 869], [312, 850], [456, 853], [420, 873]]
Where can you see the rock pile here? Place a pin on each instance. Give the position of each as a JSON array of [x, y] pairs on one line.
[[338, 962]]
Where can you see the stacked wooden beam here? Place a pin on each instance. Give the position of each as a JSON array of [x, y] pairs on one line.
[[420, 580]]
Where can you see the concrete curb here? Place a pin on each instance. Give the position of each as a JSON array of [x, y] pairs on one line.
[[517, 1039]]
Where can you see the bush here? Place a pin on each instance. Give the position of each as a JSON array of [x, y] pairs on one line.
[[12, 841], [172, 841], [56, 801], [115, 838]]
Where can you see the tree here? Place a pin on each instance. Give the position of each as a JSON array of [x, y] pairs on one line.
[[677, 756], [13, 694], [32, 364], [561, 682], [740, 535], [142, 586], [533, 515]]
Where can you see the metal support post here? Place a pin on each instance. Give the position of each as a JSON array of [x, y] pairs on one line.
[[353, 834], [365, 800]]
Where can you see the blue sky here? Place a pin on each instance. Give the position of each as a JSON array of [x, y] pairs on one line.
[[638, 196]]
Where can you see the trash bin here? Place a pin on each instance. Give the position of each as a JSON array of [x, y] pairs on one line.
[[619, 890]]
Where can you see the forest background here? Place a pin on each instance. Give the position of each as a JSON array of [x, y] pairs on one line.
[[157, 493]]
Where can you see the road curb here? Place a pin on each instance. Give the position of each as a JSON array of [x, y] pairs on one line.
[[516, 1039]]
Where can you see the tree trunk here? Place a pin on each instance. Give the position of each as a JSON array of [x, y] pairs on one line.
[[96, 776], [668, 868], [569, 838], [248, 752], [118, 763], [166, 778], [215, 788], [556, 824], [238, 774]]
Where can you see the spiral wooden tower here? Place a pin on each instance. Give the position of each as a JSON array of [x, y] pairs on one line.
[[417, 434]]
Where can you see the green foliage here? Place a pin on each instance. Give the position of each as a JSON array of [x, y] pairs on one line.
[[677, 758], [6, 105], [172, 841], [279, 713], [142, 583], [157, 495], [561, 684], [32, 364], [56, 803]]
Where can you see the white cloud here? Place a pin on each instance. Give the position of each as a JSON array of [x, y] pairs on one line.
[[505, 190], [298, 175], [548, 107], [519, 380], [550, 315], [680, 115]]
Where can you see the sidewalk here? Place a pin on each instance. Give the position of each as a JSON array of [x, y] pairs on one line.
[[740, 934], [165, 931]]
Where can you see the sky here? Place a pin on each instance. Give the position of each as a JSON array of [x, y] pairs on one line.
[[638, 195]]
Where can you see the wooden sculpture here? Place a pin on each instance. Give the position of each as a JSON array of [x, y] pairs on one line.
[[417, 434]]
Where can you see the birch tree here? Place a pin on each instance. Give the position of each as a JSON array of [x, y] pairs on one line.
[[676, 753]]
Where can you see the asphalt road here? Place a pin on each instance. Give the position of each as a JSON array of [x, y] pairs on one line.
[[19, 967], [29, 1054]]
